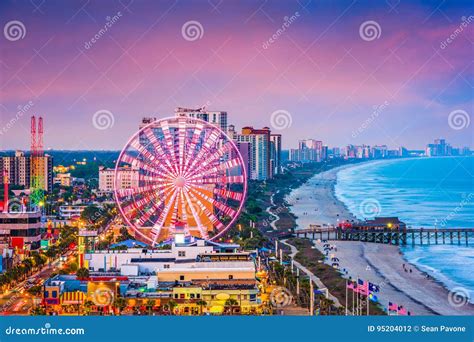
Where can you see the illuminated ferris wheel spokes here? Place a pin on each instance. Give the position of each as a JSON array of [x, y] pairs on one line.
[[191, 179]]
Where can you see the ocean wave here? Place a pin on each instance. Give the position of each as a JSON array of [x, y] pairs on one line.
[[422, 192]]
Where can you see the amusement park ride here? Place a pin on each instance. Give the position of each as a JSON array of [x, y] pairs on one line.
[[37, 169], [192, 180]]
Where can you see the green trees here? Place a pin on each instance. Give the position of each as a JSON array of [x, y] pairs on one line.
[[120, 303], [231, 303], [35, 290], [201, 304], [124, 235], [82, 273], [150, 303], [91, 214], [172, 305], [88, 307], [38, 259], [38, 311]]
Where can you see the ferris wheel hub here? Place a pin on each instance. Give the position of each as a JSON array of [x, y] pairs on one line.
[[180, 182]]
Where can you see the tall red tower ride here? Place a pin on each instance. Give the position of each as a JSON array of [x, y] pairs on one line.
[[37, 162]]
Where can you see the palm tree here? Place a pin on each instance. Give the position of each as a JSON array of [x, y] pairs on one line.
[[35, 290], [38, 259], [172, 304], [231, 302], [87, 306], [120, 303], [38, 311], [28, 265], [82, 273], [150, 303], [325, 305], [201, 303]]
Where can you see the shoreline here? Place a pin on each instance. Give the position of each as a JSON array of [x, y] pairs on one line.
[[315, 202]]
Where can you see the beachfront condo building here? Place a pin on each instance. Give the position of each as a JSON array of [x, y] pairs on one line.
[[127, 178], [309, 150], [260, 151], [275, 153], [18, 169], [217, 118]]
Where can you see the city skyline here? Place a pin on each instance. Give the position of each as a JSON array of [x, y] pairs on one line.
[[317, 65]]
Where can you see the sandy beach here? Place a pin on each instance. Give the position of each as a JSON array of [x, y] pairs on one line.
[[316, 203], [383, 265]]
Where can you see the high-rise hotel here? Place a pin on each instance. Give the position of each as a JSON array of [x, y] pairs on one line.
[[217, 118], [262, 148], [18, 169]]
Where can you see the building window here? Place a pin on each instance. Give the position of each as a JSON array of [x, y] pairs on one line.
[[166, 266], [231, 276], [181, 253], [181, 277], [198, 295], [181, 296], [176, 296], [191, 295]]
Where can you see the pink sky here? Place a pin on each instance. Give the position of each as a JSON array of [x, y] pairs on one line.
[[319, 69]]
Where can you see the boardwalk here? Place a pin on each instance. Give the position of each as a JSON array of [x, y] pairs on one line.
[[410, 236], [310, 274]]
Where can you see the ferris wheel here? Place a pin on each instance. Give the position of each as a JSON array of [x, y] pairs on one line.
[[180, 175]]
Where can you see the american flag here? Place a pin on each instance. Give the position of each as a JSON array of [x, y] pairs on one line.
[[392, 307], [402, 311], [373, 288], [362, 287]]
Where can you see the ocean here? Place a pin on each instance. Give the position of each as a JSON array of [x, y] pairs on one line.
[[422, 192]]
